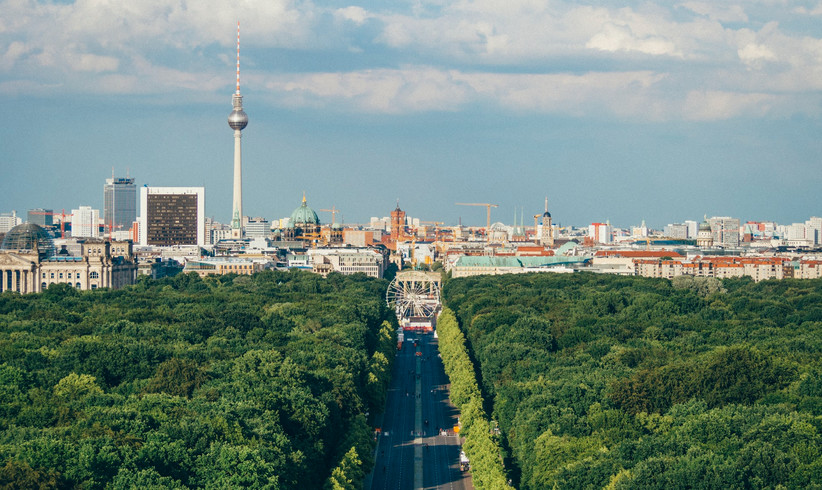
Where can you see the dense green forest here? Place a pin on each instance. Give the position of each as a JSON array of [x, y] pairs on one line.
[[231, 381], [627, 382]]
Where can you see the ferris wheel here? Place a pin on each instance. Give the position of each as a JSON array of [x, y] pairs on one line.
[[413, 294]]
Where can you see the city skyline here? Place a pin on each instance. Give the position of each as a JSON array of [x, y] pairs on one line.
[[654, 112]]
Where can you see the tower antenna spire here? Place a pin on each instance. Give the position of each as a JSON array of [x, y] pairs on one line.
[[238, 57]]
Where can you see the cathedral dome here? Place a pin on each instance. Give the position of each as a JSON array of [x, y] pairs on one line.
[[303, 215], [28, 236]]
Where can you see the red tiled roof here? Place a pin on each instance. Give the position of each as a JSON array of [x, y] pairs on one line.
[[638, 253]]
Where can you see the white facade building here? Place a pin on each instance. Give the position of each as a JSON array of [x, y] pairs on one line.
[[813, 230], [676, 231], [725, 231], [601, 232], [693, 228], [9, 221], [257, 228], [85, 222], [346, 261]]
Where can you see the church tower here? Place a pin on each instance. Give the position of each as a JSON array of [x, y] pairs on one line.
[[547, 235]]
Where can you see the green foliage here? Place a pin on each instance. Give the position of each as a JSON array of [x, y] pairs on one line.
[[480, 447], [224, 382], [178, 377], [621, 382], [18, 475], [348, 475]]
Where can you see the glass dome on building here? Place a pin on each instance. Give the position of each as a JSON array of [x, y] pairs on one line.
[[28, 236], [303, 215]]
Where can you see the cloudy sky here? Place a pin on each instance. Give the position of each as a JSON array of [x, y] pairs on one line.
[[620, 111]]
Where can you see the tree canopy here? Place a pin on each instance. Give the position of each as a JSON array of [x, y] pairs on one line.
[[230, 381], [628, 382]]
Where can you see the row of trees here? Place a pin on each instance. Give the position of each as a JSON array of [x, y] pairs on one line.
[[480, 446], [230, 381], [623, 382]]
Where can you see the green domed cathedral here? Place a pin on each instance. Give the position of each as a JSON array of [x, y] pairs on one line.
[[303, 225]]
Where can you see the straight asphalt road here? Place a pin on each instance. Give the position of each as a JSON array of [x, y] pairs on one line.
[[418, 448]]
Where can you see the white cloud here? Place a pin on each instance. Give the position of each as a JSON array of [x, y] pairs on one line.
[[93, 62], [532, 55], [755, 54], [382, 91], [717, 105], [357, 15], [15, 50], [718, 11], [802, 10], [620, 38]]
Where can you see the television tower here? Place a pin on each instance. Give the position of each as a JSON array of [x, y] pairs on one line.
[[238, 120]]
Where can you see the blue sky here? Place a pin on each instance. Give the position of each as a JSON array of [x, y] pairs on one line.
[[620, 111]]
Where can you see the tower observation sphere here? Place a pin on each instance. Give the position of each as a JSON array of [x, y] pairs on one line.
[[238, 119]]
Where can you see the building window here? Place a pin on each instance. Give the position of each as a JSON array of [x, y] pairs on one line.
[[52, 275], [78, 285], [61, 275], [93, 275], [44, 286], [93, 286]]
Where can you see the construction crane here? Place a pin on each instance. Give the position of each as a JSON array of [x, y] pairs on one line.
[[488, 208], [333, 212], [63, 216], [110, 229], [436, 227]]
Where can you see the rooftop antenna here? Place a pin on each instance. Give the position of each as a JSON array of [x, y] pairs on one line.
[[238, 57]]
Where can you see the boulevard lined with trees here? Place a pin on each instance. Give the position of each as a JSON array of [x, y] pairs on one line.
[[257, 381], [626, 382]]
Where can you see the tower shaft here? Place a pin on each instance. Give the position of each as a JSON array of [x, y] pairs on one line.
[[237, 206]]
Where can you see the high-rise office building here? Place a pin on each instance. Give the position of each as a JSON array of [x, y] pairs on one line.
[[237, 120], [725, 231], [172, 216], [41, 217], [119, 204], [85, 222]]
